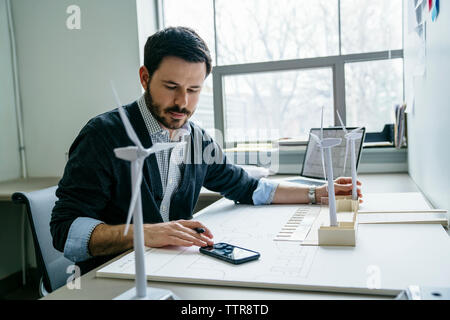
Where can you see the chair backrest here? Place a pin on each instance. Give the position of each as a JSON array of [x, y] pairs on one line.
[[51, 262]]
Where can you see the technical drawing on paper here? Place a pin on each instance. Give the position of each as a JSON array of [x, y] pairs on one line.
[[252, 229]]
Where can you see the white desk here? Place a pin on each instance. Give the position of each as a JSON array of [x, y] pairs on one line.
[[7, 188], [105, 288]]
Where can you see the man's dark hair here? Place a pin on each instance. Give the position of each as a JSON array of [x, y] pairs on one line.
[[181, 42]]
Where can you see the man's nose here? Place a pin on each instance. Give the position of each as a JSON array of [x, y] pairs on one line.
[[181, 98]]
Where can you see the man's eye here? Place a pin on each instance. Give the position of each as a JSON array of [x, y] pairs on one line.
[[171, 88]]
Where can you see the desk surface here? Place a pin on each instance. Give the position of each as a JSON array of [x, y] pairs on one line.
[[107, 288], [7, 188], [371, 183], [393, 182]]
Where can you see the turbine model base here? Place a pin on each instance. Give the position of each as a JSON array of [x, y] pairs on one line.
[[152, 294], [344, 234]]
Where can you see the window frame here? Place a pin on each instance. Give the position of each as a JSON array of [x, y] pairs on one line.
[[336, 63]]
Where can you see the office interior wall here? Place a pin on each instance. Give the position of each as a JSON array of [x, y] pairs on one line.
[[147, 24], [428, 125], [64, 80], [10, 216], [65, 73], [9, 143]]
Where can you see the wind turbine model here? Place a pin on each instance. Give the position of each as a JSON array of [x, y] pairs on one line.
[[327, 144], [351, 137], [137, 155]]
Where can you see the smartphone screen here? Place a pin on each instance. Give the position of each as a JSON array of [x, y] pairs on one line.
[[230, 253]]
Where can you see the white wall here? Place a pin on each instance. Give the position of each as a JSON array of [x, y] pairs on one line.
[[9, 145], [147, 23], [429, 125], [64, 81], [64, 74]]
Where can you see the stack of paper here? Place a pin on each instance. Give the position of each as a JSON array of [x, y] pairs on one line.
[[399, 127]]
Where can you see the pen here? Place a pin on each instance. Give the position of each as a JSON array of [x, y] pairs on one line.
[[199, 230]]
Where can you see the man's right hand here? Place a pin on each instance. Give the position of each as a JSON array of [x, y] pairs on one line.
[[177, 233]]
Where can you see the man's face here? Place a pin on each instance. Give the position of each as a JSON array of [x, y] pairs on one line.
[[173, 91]]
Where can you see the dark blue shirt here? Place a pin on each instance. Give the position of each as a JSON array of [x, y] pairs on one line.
[[97, 185]]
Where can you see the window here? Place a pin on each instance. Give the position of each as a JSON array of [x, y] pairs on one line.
[[271, 30], [372, 88], [277, 62], [198, 15], [268, 106], [369, 26]]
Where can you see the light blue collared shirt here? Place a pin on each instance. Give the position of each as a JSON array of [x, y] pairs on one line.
[[77, 244]]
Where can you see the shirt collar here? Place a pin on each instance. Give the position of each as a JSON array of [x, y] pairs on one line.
[[153, 125]]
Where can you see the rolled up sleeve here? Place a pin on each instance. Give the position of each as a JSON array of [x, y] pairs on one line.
[[76, 248], [264, 192]]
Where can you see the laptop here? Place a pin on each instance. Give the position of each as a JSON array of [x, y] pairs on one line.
[[312, 169]]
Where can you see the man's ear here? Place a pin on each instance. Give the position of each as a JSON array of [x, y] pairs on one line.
[[144, 77]]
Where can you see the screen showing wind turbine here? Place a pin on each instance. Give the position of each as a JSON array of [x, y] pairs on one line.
[[312, 164]]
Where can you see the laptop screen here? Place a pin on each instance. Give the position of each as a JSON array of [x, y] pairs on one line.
[[312, 162]]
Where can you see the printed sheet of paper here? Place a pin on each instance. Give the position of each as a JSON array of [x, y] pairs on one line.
[[392, 202], [403, 218], [251, 227], [313, 159]]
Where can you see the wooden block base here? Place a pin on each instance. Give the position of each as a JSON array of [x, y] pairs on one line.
[[344, 234]]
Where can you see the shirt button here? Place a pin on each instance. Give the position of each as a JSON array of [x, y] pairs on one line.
[[163, 207]]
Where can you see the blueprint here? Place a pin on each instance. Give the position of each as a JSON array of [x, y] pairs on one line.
[[243, 226]]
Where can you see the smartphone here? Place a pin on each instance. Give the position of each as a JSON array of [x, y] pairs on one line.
[[230, 253]]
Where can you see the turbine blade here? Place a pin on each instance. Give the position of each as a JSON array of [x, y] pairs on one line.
[[331, 142], [346, 153], [323, 164], [316, 138], [136, 191], [354, 135], [126, 153], [357, 130], [321, 126], [342, 123], [162, 146], [128, 127]]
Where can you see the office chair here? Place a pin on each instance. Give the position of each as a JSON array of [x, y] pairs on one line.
[[51, 263]]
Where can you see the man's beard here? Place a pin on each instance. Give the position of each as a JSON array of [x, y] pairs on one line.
[[157, 112]]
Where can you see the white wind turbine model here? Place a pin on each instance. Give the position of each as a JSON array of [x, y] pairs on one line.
[[351, 137], [137, 155], [327, 144]]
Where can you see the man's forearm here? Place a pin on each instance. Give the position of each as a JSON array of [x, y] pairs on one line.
[[286, 193], [108, 239], [290, 193]]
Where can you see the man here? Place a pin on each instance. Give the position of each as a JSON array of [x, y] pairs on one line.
[[94, 193]]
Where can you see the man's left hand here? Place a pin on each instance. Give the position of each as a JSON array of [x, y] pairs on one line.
[[342, 187]]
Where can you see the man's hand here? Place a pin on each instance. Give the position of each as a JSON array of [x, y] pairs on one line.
[[177, 233], [342, 187]]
